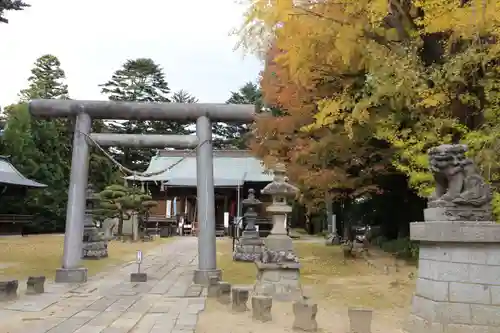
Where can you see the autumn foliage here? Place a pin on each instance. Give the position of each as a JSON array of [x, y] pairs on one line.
[[366, 87], [322, 162]]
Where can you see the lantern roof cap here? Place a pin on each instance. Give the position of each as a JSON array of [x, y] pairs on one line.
[[280, 186], [251, 200]]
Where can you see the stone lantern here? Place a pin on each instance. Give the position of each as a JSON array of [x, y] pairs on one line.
[[249, 247], [278, 267], [95, 246]]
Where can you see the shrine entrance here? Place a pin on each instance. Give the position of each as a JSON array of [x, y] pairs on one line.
[[85, 111]]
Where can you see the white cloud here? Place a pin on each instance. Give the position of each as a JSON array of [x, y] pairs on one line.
[[92, 38]]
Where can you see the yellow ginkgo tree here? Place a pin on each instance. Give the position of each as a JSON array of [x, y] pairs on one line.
[[412, 73]]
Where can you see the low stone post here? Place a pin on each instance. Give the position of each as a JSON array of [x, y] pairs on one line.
[[249, 247], [95, 246], [458, 285], [305, 316], [278, 267], [35, 285], [360, 320], [239, 298], [224, 293], [8, 290], [213, 287], [261, 308]]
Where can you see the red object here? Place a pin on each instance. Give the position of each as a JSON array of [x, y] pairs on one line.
[[232, 211]]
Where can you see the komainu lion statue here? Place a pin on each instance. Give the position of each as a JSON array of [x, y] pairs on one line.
[[460, 190]]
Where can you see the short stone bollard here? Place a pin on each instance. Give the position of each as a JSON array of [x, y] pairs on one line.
[[35, 285], [224, 293], [213, 287], [305, 315], [239, 298], [261, 308], [138, 277], [8, 290], [360, 320]]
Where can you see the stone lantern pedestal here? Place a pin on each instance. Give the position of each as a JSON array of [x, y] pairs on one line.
[[278, 267], [95, 246], [250, 245]]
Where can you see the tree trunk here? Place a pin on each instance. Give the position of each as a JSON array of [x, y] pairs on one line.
[[120, 225]]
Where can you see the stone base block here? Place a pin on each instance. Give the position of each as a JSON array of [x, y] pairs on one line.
[[305, 316], [246, 257], [457, 213], [458, 284], [239, 296], [138, 277], [261, 308], [71, 275], [204, 277], [8, 290], [35, 285], [248, 250], [360, 320], [213, 290], [416, 324], [280, 281], [224, 293], [95, 250], [250, 234]]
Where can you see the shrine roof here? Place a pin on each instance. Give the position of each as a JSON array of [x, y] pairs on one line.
[[11, 176], [231, 168]]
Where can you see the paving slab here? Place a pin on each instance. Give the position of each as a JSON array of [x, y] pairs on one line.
[[109, 303]]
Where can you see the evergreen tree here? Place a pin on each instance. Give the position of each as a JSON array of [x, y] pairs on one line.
[[118, 201], [46, 80], [41, 149], [6, 5], [139, 80], [183, 96], [234, 136]]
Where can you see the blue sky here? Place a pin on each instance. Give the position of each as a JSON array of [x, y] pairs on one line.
[[92, 38]]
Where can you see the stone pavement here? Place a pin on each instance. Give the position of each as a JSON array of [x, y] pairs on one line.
[[109, 303]]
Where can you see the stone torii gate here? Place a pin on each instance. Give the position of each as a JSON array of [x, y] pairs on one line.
[[85, 111]]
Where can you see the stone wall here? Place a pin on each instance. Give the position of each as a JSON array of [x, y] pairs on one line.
[[458, 285]]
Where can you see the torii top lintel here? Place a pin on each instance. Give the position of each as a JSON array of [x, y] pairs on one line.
[[56, 108]]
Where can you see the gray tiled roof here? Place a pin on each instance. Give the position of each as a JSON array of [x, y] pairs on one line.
[[231, 168], [10, 175]]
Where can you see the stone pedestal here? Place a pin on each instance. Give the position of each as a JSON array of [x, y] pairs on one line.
[[94, 245], [458, 285], [249, 248], [278, 268], [278, 280]]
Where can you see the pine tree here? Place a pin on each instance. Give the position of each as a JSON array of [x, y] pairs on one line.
[[46, 80], [6, 5], [234, 136], [183, 96], [139, 80], [118, 201]]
